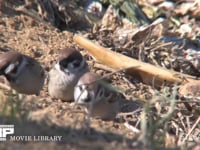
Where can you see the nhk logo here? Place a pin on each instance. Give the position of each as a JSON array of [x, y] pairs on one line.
[[6, 130]]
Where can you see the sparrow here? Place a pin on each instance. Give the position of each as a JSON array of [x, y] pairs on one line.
[[24, 74], [65, 74], [98, 96]]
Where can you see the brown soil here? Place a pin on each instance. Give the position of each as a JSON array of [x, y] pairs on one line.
[[47, 116], [44, 116]]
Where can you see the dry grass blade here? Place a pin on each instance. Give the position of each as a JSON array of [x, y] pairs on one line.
[[193, 127], [131, 128]]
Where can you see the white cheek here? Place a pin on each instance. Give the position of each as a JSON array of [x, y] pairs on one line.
[[84, 95], [57, 66], [80, 95], [9, 68], [76, 93]]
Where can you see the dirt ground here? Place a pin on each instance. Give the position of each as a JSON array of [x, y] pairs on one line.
[[46, 115], [43, 115]]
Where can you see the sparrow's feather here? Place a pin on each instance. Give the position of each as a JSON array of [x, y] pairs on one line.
[[100, 99], [24, 73], [65, 74]]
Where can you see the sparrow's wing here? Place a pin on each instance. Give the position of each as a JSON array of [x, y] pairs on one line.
[[35, 66], [111, 93], [108, 86]]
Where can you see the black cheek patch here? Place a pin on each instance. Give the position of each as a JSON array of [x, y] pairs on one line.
[[88, 99], [76, 63], [64, 63]]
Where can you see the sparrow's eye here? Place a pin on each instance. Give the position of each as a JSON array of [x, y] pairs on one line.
[[87, 87]]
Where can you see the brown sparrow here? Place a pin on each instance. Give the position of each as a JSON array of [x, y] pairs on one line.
[[100, 99], [65, 74], [24, 73]]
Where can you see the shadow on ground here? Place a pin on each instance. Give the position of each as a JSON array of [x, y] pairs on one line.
[[71, 137]]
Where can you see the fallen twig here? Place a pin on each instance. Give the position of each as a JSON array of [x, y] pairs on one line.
[[144, 71], [193, 127]]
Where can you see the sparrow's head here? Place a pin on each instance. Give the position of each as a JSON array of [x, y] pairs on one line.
[[98, 96], [90, 89], [11, 64], [70, 61]]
